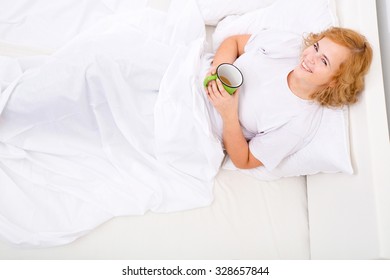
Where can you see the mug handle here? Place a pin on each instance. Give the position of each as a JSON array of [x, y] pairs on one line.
[[209, 79]]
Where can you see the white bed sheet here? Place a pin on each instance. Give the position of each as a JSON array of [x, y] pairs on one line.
[[248, 219], [87, 129], [48, 25]]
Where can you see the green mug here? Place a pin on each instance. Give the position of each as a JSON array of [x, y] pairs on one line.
[[230, 76]]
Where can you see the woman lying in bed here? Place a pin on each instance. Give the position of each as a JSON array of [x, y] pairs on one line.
[[108, 126], [275, 112]]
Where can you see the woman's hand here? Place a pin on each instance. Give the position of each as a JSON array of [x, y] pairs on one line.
[[224, 103], [212, 71], [233, 139]]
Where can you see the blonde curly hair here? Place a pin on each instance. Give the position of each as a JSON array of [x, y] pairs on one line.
[[348, 82]]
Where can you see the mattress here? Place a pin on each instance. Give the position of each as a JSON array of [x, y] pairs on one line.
[[249, 219]]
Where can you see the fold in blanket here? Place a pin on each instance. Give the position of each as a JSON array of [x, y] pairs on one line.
[[114, 123]]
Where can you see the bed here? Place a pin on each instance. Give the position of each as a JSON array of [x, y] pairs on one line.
[[318, 216]]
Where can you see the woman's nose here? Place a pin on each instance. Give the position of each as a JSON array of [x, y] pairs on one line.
[[313, 58]]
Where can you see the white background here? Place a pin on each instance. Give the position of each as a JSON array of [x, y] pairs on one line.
[[383, 9]]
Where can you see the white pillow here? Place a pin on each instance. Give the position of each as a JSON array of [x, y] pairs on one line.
[[215, 10], [298, 16], [329, 150]]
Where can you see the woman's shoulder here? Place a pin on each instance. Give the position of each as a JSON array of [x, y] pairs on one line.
[[275, 43]]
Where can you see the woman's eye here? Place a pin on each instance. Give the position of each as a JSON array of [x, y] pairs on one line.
[[316, 46], [324, 61]]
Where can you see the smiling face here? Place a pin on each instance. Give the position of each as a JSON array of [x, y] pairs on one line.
[[318, 65]]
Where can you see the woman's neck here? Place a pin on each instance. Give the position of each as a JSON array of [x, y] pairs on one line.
[[299, 89]]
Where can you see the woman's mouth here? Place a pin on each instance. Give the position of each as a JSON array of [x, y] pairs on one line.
[[305, 67]]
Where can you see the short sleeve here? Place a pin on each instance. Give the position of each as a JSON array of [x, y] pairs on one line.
[[272, 147], [275, 44], [275, 145]]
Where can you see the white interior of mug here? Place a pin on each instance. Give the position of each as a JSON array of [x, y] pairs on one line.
[[229, 75]]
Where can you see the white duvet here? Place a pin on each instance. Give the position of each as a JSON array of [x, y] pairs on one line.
[[114, 123]]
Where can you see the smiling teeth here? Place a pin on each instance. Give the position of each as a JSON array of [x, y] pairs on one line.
[[305, 67]]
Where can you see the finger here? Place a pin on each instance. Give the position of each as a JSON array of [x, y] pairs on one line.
[[209, 85], [216, 91], [221, 89], [210, 88], [211, 72], [211, 97], [207, 88], [211, 92], [237, 92]]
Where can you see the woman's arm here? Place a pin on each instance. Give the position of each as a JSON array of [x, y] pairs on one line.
[[230, 49], [233, 139], [227, 105]]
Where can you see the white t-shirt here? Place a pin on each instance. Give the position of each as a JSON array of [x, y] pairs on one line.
[[274, 120]]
